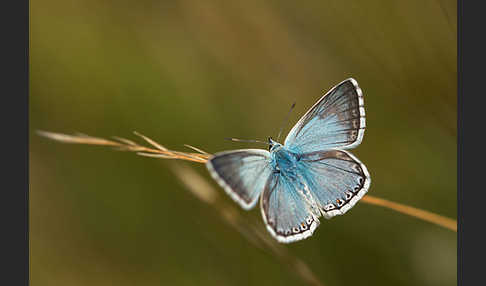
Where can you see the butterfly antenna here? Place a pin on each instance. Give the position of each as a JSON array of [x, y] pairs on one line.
[[245, 140], [286, 120]]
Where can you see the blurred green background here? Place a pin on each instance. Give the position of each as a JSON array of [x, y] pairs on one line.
[[196, 72]]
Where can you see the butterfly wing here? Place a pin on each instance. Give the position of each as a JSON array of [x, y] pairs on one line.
[[337, 120], [241, 173], [287, 209], [335, 178]]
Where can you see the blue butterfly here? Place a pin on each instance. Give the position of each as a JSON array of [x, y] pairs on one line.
[[310, 175]]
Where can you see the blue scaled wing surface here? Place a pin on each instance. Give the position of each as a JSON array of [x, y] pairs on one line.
[[336, 121], [336, 180], [287, 209], [242, 173]]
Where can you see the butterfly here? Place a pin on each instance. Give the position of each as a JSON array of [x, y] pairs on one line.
[[308, 176]]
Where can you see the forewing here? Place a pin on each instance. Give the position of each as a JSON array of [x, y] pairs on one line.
[[241, 173], [337, 120], [336, 180], [287, 211]]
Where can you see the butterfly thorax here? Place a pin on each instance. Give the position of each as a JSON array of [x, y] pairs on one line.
[[283, 160]]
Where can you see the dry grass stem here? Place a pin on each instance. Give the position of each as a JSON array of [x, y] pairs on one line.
[[411, 211], [158, 151], [123, 144]]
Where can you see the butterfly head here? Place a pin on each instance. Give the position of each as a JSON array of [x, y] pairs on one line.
[[273, 145]]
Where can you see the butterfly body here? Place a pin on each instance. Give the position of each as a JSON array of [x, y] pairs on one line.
[[310, 175], [283, 160]]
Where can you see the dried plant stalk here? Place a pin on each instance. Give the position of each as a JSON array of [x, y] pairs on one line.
[[411, 211], [123, 144], [158, 151]]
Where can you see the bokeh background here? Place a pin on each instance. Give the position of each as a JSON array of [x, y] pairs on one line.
[[196, 72]]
